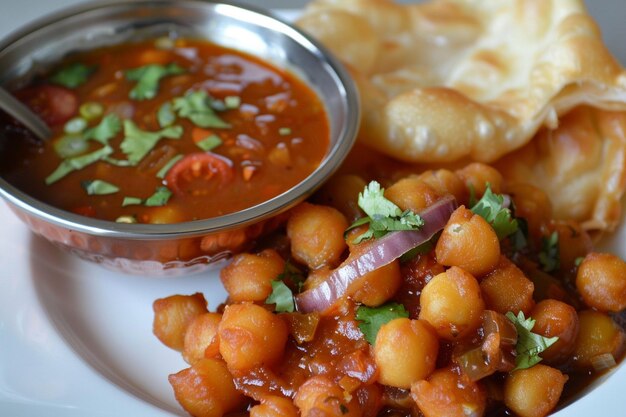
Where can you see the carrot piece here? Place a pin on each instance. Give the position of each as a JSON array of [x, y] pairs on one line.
[[248, 171], [155, 56]]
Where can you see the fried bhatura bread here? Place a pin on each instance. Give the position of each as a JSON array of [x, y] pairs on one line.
[[466, 79], [580, 166]]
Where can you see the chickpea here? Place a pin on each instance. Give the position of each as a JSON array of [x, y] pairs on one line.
[[535, 391], [173, 314], [251, 336], [378, 286], [316, 277], [446, 393], [405, 352], [316, 234], [201, 339], [556, 318], [206, 389], [477, 175], [412, 193], [469, 242], [532, 204], [342, 193], [574, 242], [451, 302], [249, 277], [273, 406], [444, 182], [320, 396], [506, 288], [598, 334], [601, 282]]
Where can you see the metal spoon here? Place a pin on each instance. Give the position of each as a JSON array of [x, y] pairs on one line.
[[20, 112]]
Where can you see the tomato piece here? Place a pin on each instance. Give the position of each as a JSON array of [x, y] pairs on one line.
[[54, 104], [87, 211], [199, 174]]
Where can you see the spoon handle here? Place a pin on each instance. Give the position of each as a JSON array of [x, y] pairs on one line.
[[20, 112]]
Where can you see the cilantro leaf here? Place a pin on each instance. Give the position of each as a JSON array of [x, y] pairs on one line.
[[72, 75], [529, 345], [107, 129], [372, 318], [148, 78], [549, 257], [159, 198], [196, 106], [137, 143], [491, 208], [209, 143], [165, 115], [163, 171], [373, 202], [99, 187], [383, 216], [78, 162], [281, 296], [131, 201]]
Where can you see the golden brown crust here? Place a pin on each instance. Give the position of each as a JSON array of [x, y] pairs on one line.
[[452, 79], [581, 165]]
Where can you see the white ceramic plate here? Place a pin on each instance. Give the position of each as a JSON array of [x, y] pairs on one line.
[[76, 340]]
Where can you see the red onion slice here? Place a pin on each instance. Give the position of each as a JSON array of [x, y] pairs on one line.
[[379, 253]]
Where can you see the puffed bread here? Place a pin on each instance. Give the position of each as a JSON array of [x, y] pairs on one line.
[[467, 79]]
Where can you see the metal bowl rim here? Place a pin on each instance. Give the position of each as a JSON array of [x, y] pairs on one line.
[[278, 204]]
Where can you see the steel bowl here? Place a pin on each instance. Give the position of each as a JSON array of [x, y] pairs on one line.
[[189, 246]]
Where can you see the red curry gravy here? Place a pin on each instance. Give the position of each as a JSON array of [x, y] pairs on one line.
[[174, 130]]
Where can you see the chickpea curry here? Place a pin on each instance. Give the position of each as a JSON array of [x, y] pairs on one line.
[[165, 131], [438, 293]]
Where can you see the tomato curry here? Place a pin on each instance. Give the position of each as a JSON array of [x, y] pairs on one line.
[[165, 131]]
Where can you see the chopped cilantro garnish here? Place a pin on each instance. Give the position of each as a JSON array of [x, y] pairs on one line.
[[106, 130], [209, 143], [529, 345], [549, 256], [163, 171], [165, 115], [78, 162], [148, 78], [196, 106], [72, 75], [159, 198], [383, 216], [117, 162], [284, 131], [491, 208], [579, 260], [99, 187], [131, 201], [281, 296], [372, 318], [137, 143]]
